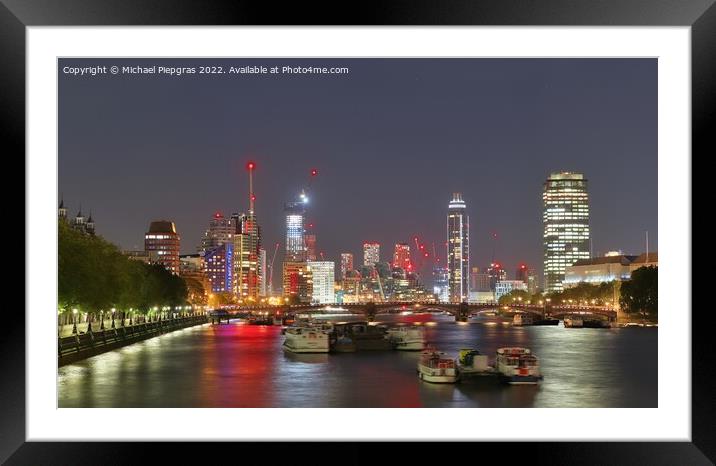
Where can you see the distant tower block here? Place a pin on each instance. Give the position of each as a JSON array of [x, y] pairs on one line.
[[458, 240]]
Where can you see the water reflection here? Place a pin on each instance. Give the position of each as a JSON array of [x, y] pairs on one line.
[[245, 366]]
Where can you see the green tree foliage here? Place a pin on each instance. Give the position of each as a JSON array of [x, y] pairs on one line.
[[606, 293], [514, 297], [639, 295], [94, 275]]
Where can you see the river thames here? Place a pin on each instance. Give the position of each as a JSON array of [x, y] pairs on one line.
[[240, 365]]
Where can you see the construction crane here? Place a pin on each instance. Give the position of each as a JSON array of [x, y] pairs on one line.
[[270, 283]]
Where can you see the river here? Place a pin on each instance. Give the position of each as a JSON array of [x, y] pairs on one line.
[[239, 365]]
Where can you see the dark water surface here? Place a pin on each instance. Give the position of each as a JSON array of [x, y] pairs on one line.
[[241, 365]]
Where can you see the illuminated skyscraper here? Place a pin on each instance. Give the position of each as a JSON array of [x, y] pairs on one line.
[[219, 267], [346, 264], [247, 246], [162, 242], [566, 225], [323, 278], [458, 239], [221, 231], [295, 229], [371, 254], [401, 256]]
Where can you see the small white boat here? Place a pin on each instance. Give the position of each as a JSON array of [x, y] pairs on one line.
[[436, 368], [573, 322], [306, 340], [518, 366], [407, 338]]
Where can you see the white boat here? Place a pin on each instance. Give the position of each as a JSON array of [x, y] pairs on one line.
[[518, 366], [573, 322], [306, 340], [407, 338], [436, 368], [471, 362]]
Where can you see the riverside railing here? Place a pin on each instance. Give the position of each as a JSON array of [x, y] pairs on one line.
[[83, 345]]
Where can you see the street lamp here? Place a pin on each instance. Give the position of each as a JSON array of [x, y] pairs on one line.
[[113, 311], [101, 319], [74, 321]]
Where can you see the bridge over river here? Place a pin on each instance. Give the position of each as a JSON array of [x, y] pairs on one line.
[[461, 311]]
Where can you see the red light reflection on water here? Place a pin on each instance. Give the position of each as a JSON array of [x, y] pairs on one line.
[[238, 366]]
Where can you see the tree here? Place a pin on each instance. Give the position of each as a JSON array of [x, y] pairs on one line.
[[639, 294], [514, 297], [94, 275]]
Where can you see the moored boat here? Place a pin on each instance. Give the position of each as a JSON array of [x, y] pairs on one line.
[[471, 363], [573, 322], [518, 366], [306, 340], [520, 320], [362, 335], [407, 338], [434, 367]]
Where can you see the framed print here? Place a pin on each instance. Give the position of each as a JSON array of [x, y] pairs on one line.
[[282, 226]]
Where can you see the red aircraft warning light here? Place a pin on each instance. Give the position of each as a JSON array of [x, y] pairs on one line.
[[314, 172], [250, 166]]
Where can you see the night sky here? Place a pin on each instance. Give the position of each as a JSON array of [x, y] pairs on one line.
[[392, 141]]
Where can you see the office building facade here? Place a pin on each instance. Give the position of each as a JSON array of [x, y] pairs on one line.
[[565, 220], [163, 242], [458, 239]]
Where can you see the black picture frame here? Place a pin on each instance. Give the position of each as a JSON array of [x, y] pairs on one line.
[[16, 15]]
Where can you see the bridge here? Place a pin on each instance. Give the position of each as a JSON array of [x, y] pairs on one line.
[[461, 311]]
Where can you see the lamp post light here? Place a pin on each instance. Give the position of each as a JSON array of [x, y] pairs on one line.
[[113, 311], [101, 319], [74, 321]]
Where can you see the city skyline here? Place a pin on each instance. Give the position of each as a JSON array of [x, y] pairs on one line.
[[355, 197]]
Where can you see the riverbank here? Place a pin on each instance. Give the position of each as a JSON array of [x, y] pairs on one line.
[[80, 346]]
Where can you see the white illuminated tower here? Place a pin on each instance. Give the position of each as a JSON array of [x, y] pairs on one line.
[[323, 276], [295, 229], [566, 225], [458, 240]]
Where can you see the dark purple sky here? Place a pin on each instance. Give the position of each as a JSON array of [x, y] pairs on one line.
[[392, 140]]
